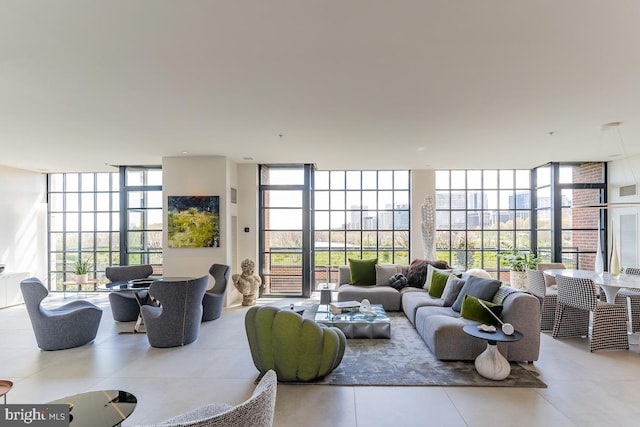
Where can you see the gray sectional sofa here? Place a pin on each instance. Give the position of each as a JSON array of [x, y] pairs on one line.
[[441, 327], [388, 297]]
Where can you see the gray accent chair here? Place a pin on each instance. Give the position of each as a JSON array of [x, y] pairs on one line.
[[124, 306], [177, 321], [257, 411], [213, 300], [70, 325]]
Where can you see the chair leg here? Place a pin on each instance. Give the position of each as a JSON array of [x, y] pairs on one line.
[[570, 322]]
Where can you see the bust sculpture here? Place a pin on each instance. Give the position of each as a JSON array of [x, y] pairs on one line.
[[247, 283]]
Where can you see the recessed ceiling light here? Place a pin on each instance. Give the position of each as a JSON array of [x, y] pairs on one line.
[[185, 152]]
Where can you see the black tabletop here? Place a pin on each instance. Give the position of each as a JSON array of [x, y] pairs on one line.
[[498, 335], [102, 408]]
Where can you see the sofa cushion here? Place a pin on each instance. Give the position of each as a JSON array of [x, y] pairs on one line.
[[438, 283], [388, 297], [451, 290], [384, 273], [479, 288], [414, 298], [473, 310], [363, 271]]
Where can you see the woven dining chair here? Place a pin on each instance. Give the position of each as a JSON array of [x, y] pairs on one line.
[[633, 296], [550, 280], [576, 298], [548, 298]]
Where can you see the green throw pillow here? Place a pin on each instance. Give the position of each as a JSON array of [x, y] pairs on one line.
[[363, 271], [438, 282], [472, 310]]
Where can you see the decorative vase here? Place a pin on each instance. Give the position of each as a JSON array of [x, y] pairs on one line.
[[82, 278], [599, 265], [429, 228], [518, 279], [614, 263]]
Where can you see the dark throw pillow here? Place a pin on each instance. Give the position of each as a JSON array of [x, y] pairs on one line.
[[417, 273], [363, 271], [481, 288], [438, 283], [398, 281], [473, 310]]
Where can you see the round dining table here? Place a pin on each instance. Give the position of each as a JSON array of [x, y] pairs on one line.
[[610, 285]]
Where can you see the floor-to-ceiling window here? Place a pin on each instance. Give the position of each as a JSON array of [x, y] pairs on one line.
[[544, 211], [108, 218], [84, 222], [479, 213], [566, 226], [328, 216], [142, 216], [285, 224], [360, 214]]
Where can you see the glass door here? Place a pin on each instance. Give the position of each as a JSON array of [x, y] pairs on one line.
[[285, 224]]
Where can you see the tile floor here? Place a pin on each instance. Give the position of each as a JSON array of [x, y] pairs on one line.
[[585, 389]]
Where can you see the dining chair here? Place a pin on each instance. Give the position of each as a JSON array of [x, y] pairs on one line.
[[550, 280], [576, 298], [633, 296], [176, 321], [548, 298], [213, 299], [125, 306]]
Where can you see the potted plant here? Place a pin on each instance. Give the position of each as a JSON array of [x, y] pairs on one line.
[[519, 262], [81, 268]]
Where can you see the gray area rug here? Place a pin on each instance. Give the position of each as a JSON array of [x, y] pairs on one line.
[[405, 360]]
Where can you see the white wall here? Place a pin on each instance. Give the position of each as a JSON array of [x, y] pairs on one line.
[[199, 176], [247, 213], [23, 219], [621, 173]]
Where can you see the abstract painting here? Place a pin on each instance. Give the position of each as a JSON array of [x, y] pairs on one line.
[[194, 221]]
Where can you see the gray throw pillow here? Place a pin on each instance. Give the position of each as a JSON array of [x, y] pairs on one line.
[[384, 273], [451, 290], [483, 289]]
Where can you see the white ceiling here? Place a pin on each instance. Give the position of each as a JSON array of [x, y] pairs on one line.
[[343, 84]]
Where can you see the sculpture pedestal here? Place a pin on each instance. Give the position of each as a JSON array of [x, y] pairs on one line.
[[249, 299]]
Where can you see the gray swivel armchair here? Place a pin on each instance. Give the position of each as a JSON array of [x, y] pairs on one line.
[[124, 306], [177, 321], [70, 325], [257, 411], [213, 300]]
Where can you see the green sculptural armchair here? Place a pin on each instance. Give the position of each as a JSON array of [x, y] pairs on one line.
[[297, 349]]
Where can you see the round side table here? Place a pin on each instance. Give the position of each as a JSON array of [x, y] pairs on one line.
[[5, 386], [491, 363]]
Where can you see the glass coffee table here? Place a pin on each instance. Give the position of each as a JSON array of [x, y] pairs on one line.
[[102, 408], [355, 324]]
